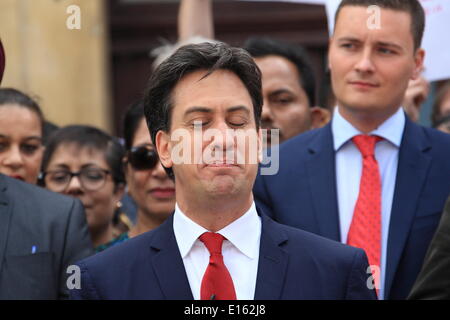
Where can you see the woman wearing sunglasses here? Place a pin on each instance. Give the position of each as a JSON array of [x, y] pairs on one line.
[[85, 162], [148, 184]]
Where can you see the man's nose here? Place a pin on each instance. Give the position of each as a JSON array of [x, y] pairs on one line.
[[266, 115], [223, 137], [365, 63]]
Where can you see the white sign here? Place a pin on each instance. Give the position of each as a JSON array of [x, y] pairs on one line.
[[435, 41], [331, 6]]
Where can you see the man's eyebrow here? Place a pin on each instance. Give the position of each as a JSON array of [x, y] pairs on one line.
[[379, 43], [280, 91], [351, 39], [389, 44], [238, 108], [197, 109]]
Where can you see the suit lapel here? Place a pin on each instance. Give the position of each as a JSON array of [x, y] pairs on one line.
[[273, 262], [413, 165], [168, 264], [5, 217], [322, 181]]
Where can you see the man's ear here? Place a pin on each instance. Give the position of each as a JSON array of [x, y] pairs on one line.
[[319, 117], [164, 149], [419, 59]]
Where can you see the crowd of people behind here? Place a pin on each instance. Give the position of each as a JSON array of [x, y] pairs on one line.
[[123, 187], [103, 165]]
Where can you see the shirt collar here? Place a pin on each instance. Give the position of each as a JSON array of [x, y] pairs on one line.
[[391, 130], [244, 233]]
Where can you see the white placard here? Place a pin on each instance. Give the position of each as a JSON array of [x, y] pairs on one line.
[[435, 41], [331, 7]]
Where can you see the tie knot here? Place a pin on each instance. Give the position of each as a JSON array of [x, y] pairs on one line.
[[366, 144], [213, 242]]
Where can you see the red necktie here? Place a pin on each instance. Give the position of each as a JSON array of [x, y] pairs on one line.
[[216, 283], [365, 229]]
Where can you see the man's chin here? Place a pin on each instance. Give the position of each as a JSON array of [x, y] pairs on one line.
[[221, 185], [367, 105]]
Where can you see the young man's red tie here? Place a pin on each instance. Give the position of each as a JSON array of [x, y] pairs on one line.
[[365, 229]]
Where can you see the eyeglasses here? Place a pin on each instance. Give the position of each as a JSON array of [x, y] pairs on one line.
[[91, 179], [143, 158]]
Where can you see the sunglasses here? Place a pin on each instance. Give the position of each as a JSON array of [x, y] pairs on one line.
[[143, 158]]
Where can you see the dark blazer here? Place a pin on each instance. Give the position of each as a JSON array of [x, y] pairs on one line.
[[434, 279], [303, 195], [51, 225], [293, 264]]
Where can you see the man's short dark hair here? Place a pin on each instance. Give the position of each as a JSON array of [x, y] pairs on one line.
[[262, 47], [210, 57], [413, 7]]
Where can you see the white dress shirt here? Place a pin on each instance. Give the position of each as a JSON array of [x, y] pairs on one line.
[[240, 251], [349, 168]]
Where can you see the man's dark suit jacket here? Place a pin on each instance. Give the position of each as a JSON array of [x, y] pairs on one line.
[[53, 226], [293, 264], [303, 195], [434, 279]]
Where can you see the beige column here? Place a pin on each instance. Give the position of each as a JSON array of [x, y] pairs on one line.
[[67, 69]]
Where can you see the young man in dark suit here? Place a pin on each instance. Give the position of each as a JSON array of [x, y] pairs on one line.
[[371, 178], [201, 103]]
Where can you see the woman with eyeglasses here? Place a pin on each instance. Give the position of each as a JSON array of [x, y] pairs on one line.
[[85, 162], [148, 184], [21, 132]]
